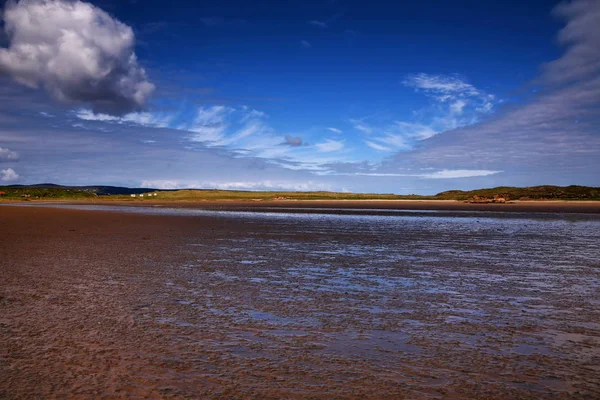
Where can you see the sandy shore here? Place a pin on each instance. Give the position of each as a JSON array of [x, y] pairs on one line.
[[109, 305]]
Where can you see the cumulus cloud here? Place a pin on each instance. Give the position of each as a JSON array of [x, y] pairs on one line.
[[8, 175], [7, 155], [76, 51]]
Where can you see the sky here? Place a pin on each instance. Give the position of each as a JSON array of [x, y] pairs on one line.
[[385, 97]]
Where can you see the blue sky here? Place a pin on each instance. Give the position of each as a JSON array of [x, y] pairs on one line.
[[394, 97]]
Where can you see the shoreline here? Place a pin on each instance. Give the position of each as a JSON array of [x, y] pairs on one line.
[[544, 206]]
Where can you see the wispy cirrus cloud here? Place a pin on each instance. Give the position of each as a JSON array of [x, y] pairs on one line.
[[330, 145], [361, 126], [319, 24], [243, 131], [158, 120], [209, 125], [455, 103], [439, 174], [453, 90]]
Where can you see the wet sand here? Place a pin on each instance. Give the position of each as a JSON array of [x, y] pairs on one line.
[[551, 206], [105, 304]]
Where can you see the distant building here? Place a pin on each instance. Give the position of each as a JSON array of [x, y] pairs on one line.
[[133, 195]]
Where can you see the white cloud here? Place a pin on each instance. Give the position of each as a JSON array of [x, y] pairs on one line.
[[265, 185], [456, 104], [441, 174], [398, 136], [76, 51], [306, 44], [395, 141], [458, 173], [335, 130], [414, 130], [443, 86], [361, 126], [452, 90], [156, 120], [7, 155], [252, 114], [330, 145], [376, 146], [210, 123], [8, 175], [251, 128]]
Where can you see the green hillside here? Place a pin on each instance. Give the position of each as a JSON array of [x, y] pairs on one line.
[[528, 193]]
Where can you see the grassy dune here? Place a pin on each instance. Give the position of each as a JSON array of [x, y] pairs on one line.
[[207, 195]]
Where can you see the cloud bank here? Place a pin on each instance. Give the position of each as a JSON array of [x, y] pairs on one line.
[[75, 51]]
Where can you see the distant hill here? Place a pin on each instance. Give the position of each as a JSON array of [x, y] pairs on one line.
[[527, 193], [49, 188], [49, 191]]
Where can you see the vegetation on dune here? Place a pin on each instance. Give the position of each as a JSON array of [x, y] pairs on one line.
[[204, 195], [107, 193], [528, 193], [46, 193]]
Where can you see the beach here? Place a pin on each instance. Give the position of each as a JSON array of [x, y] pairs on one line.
[[303, 300]]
